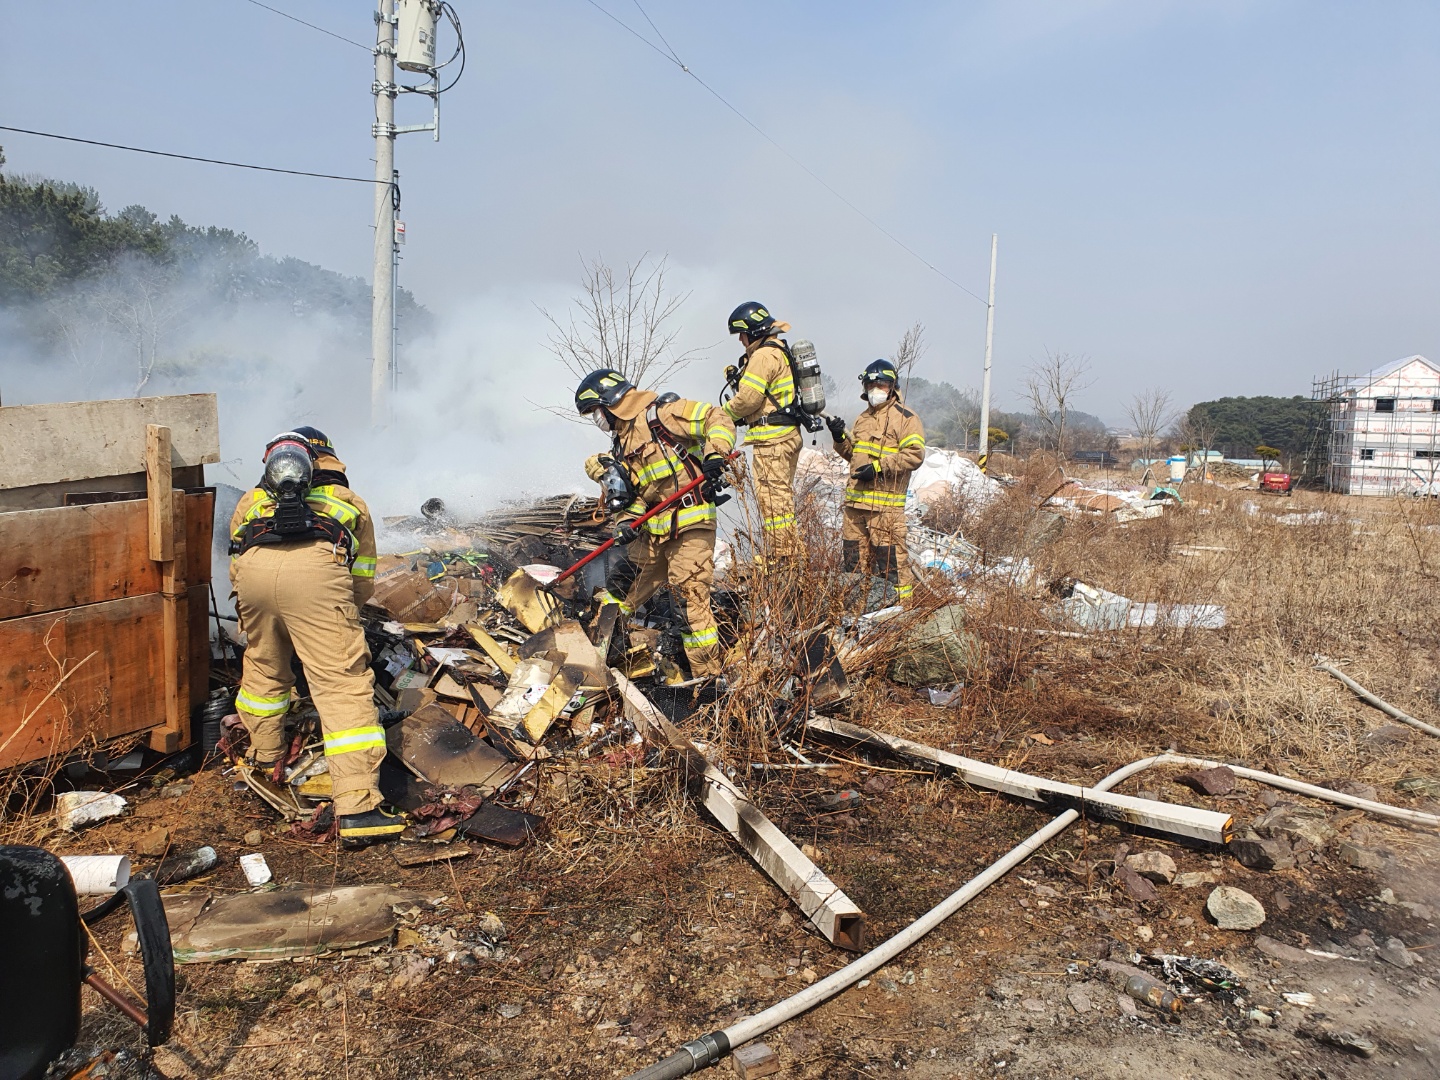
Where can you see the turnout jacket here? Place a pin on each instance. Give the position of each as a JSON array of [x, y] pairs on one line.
[[332, 497], [662, 446], [891, 437], [766, 386]]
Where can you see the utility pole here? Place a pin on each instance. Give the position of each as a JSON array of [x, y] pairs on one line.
[[382, 298], [984, 455], [405, 40]]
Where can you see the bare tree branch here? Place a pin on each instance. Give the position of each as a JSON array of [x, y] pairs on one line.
[[622, 320], [1050, 388], [911, 348], [1150, 411]]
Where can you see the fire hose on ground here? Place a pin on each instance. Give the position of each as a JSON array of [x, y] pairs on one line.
[[713, 1048]]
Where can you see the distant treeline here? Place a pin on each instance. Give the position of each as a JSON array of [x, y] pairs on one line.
[[127, 297], [952, 418], [1237, 425]]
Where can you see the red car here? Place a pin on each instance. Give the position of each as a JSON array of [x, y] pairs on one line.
[[1277, 483]]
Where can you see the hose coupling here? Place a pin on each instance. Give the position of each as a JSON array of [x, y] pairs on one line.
[[708, 1050]]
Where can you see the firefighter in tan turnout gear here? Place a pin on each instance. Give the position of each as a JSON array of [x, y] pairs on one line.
[[660, 443], [884, 446], [765, 403], [303, 563]]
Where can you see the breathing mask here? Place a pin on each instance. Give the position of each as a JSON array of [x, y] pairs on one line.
[[602, 421], [877, 396]]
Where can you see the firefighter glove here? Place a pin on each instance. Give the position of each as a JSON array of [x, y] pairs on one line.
[[836, 424], [625, 533], [714, 469], [868, 471]]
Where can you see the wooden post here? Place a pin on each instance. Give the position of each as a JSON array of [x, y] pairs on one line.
[[158, 491], [167, 547]]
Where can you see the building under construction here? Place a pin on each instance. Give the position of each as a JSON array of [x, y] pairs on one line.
[[1383, 429]]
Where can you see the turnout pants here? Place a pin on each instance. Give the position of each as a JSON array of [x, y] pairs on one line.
[[296, 599], [687, 564], [875, 541], [775, 463]]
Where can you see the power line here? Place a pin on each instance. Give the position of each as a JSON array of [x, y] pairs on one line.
[[312, 26], [674, 58], [190, 157]]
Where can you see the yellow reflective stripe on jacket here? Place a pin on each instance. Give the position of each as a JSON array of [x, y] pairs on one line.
[[356, 738], [363, 567], [721, 436], [260, 705], [684, 518], [658, 470], [902, 591], [324, 500], [768, 432], [912, 440], [879, 450], [873, 499]]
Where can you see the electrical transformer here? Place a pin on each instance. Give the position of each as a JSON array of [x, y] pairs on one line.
[[415, 35]]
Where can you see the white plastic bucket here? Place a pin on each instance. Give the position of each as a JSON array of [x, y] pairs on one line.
[[97, 875], [1177, 467]]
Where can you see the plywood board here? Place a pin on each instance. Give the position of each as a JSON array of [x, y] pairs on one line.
[[77, 440], [71, 556], [199, 615], [120, 689]]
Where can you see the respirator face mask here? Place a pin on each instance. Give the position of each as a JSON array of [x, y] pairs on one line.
[[877, 396], [602, 421]]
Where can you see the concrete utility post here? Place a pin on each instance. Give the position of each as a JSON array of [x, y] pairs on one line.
[[984, 457], [382, 299]]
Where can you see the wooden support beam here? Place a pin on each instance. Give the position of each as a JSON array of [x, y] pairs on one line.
[[1187, 821], [167, 547], [834, 914], [159, 490]]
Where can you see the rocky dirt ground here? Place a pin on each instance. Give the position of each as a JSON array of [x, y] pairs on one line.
[[634, 929]]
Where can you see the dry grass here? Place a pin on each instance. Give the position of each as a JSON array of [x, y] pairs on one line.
[[1316, 573]]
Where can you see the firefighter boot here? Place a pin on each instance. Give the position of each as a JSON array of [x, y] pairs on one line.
[[849, 556], [372, 827]]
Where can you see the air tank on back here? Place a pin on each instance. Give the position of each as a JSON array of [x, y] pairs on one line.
[[415, 35], [809, 383]]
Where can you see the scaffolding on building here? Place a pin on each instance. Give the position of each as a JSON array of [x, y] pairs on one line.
[[1381, 434]]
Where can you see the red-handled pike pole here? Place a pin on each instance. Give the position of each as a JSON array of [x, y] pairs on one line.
[[656, 509]]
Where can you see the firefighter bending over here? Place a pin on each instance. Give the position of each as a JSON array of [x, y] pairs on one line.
[[885, 445], [764, 401], [303, 563], [659, 444]]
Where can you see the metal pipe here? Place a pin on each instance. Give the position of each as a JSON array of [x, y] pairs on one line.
[[1370, 699], [119, 1000], [687, 1060]]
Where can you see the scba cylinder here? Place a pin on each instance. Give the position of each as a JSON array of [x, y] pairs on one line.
[[415, 35], [809, 383]]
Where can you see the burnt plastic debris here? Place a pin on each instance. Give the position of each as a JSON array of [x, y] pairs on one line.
[[179, 868], [1155, 994]]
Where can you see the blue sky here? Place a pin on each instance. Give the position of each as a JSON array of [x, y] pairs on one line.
[[1218, 198]]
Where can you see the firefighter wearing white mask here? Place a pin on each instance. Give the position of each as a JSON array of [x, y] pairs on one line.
[[884, 446]]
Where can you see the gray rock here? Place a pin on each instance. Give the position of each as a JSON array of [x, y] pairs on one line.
[[1362, 858], [1034, 1005], [1079, 1000], [1234, 909], [1296, 822], [1259, 853], [1155, 866], [254, 838], [1127, 1006], [508, 1010], [1194, 878], [938, 652], [1394, 952], [1280, 951]]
